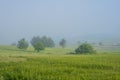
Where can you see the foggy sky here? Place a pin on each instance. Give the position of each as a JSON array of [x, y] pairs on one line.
[[58, 18]]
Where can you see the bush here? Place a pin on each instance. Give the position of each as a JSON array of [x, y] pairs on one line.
[[84, 49]]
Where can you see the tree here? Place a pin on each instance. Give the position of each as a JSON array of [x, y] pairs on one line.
[[100, 44], [22, 44], [47, 42], [35, 40], [39, 46], [62, 43], [50, 43], [84, 49], [43, 41], [37, 43]]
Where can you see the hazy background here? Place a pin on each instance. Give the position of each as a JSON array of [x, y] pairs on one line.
[[69, 19]]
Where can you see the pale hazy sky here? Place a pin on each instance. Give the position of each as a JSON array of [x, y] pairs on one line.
[[58, 18]]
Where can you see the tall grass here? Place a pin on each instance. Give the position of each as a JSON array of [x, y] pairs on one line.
[[53, 64]]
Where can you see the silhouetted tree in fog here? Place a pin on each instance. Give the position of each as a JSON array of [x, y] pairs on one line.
[[62, 43], [22, 44], [37, 44], [47, 42]]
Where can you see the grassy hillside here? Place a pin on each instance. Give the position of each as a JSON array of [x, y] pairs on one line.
[[55, 64], [108, 49]]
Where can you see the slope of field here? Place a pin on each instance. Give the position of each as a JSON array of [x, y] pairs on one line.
[[55, 64], [108, 49]]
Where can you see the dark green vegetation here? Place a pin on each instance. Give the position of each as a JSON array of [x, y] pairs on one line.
[[22, 44], [84, 49], [62, 43], [55, 64], [39, 43], [46, 41], [39, 46]]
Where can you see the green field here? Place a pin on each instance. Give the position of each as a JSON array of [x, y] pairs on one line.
[[57, 64]]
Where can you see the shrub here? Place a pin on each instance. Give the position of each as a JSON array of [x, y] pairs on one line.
[[84, 49]]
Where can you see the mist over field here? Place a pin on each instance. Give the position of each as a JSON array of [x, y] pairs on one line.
[[59, 40], [71, 19]]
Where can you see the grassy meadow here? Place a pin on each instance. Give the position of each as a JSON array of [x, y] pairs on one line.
[[57, 64]]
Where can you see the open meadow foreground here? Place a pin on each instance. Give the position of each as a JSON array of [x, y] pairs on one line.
[[57, 64]]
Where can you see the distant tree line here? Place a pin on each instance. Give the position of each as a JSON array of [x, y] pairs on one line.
[[39, 43]]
